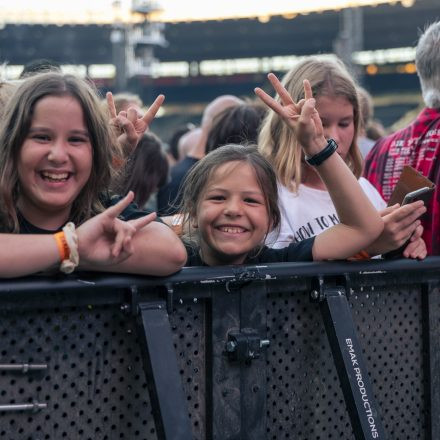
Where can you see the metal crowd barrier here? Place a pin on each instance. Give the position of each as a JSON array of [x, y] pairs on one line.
[[307, 351]]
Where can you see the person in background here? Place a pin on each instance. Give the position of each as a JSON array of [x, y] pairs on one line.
[[41, 65], [418, 144], [146, 171], [55, 206], [168, 196], [307, 208], [239, 124], [367, 123], [174, 141], [123, 101]]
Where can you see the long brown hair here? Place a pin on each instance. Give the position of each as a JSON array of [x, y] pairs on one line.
[[15, 128], [277, 142]]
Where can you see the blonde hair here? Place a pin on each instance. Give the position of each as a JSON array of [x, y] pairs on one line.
[[277, 142]]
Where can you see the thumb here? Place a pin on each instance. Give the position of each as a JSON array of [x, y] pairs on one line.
[[308, 109]]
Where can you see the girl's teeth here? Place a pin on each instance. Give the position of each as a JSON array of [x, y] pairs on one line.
[[55, 177]]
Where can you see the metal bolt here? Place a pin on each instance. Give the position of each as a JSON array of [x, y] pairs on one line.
[[125, 308], [231, 346], [264, 343], [314, 294], [194, 300]]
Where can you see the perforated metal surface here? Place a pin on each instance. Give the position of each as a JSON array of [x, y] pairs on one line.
[[389, 323], [305, 400], [188, 325], [94, 386]]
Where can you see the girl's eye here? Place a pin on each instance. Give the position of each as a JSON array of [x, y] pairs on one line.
[[41, 137], [216, 197], [344, 124], [252, 201], [77, 140]]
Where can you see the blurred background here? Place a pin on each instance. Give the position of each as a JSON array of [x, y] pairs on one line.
[[193, 52]]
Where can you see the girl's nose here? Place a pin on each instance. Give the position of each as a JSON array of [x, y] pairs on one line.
[[331, 133], [58, 151], [233, 208]]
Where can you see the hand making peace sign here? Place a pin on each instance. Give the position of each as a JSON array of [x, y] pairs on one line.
[[301, 117], [129, 125]]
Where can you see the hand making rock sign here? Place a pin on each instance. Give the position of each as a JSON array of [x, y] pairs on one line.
[[129, 125]]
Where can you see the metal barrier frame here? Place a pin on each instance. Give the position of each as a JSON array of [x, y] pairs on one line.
[[238, 410]]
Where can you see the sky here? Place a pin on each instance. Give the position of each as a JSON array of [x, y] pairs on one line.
[[78, 11]]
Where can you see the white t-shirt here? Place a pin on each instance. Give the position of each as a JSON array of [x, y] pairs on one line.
[[309, 212]]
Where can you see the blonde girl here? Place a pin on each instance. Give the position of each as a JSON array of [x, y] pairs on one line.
[[307, 207]]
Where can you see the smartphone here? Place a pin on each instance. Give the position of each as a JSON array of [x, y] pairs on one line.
[[424, 194]]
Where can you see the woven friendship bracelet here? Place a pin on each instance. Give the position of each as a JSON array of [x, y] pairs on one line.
[[69, 264]]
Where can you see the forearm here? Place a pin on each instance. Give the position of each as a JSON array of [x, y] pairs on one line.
[[156, 251], [360, 223], [352, 204], [22, 255]]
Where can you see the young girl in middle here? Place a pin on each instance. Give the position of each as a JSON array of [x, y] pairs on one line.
[[230, 197]]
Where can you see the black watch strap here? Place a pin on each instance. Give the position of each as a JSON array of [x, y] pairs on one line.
[[320, 157]]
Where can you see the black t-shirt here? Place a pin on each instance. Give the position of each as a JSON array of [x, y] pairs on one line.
[[130, 213], [301, 251]]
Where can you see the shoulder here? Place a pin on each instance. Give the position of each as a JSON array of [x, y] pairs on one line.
[[193, 259]]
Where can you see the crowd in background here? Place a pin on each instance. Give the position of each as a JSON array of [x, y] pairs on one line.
[[305, 174]]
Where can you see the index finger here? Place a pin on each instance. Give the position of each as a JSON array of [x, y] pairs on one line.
[[269, 101], [151, 113], [111, 104], [115, 210], [286, 99]]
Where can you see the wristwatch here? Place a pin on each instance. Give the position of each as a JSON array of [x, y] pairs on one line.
[[320, 157]]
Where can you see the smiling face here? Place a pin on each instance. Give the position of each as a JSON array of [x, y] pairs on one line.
[[232, 215], [55, 161], [337, 116]]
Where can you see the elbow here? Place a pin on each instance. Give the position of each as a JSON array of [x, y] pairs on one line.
[[176, 259], [180, 256]]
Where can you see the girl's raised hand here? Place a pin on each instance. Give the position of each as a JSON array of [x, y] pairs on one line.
[[301, 117], [129, 124], [105, 239]]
